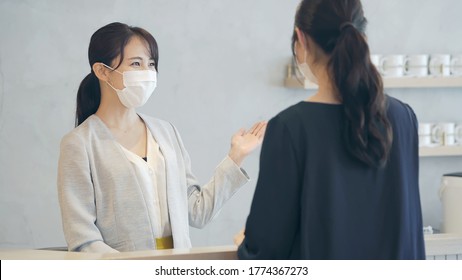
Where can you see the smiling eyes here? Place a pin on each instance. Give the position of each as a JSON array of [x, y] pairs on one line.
[[138, 64]]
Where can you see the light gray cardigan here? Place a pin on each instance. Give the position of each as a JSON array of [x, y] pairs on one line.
[[104, 208]]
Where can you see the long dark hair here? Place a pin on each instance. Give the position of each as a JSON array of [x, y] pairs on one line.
[[338, 28], [106, 44]]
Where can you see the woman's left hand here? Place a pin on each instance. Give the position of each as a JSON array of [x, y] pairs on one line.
[[239, 237], [244, 142]]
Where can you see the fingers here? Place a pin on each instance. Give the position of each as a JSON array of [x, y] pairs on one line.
[[257, 129], [261, 126], [254, 127], [261, 132]]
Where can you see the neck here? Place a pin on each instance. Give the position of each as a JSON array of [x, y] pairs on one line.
[[113, 113], [326, 90]]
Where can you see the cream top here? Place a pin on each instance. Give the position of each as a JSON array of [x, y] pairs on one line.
[[152, 177]]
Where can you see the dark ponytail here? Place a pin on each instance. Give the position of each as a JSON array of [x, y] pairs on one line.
[[88, 98], [338, 27], [106, 45], [367, 132]]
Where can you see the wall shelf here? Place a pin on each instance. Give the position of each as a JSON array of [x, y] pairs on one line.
[[400, 82], [441, 151], [423, 82]]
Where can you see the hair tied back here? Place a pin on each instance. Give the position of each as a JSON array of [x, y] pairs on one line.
[[345, 25]]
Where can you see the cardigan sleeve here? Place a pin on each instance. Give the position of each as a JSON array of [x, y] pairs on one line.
[[274, 215], [204, 202], [77, 198]]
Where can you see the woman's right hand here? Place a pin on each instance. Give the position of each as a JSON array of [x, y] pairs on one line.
[[244, 142]]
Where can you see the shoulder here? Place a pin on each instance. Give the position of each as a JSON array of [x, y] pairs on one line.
[[289, 114], [286, 124], [398, 109], [394, 103], [285, 117], [90, 131], [290, 119], [73, 142], [79, 133]]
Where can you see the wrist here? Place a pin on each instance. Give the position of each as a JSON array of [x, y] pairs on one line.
[[236, 156]]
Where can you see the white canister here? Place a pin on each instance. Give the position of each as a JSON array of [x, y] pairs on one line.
[[451, 199]]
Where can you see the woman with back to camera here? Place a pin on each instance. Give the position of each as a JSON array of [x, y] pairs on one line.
[[124, 179], [339, 171]]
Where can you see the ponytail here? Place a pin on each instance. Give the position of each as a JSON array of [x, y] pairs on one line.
[[88, 98], [367, 132]]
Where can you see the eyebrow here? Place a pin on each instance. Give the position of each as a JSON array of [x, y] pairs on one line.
[[138, 57]]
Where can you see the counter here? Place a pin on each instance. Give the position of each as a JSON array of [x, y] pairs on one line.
[[438, 247], [204, 253]]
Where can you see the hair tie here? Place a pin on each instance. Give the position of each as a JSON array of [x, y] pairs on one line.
[[346, 24]]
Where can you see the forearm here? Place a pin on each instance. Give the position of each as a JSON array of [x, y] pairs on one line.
[[206, 201]]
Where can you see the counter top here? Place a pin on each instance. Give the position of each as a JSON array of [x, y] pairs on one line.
[[198, 253], [435, 245], [443, 244]]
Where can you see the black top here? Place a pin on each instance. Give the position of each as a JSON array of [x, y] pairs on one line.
[[313, 200]]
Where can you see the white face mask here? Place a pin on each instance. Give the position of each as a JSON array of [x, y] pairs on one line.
[[305, 70], [139, 85]]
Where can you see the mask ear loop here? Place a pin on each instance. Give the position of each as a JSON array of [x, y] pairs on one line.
[[297, 68], [109, 84], [109, 67], [298, 73]]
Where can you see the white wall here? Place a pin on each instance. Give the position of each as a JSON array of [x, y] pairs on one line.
[[222, 65]]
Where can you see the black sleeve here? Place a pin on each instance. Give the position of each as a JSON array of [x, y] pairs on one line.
[[274, 215]]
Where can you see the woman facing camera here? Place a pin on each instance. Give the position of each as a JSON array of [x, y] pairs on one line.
[[124, 179], [339, 171]]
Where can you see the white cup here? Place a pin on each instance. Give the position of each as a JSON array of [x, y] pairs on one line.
[[375, 59], [425, 134], [392, 65], [444, 134], [439, 65], [456, 65], [458, 134], [416, 65], [436, 135]]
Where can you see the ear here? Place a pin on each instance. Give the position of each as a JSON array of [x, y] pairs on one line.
[[101, 71], [304, 40], [300, 37]]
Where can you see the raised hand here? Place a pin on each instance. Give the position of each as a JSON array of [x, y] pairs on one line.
[[244, 142]]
